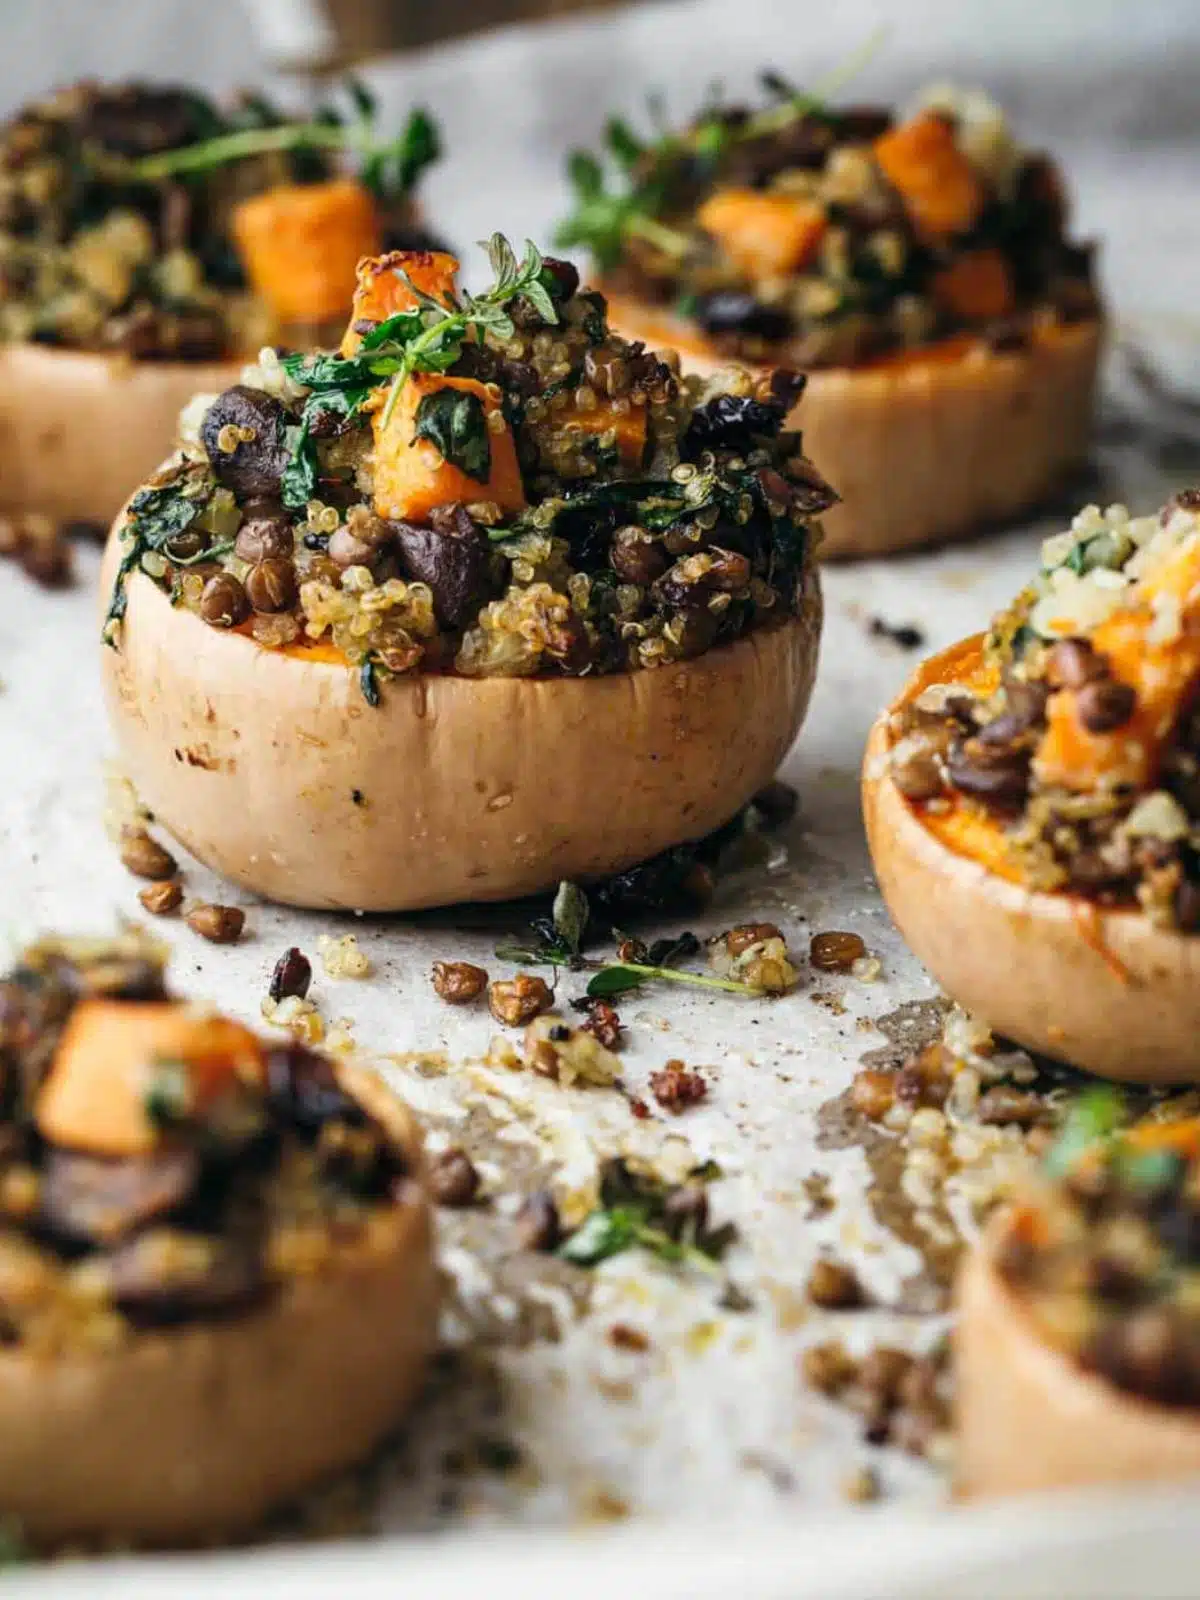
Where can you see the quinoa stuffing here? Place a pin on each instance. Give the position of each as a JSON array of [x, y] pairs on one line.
[[1076, 734], [128, 220], [1104, 1251], [138, 1191], [827, 236], [492, 485]]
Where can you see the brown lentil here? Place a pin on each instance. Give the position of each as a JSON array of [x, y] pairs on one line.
[[1074, 662], [144, 856], [271, 585], [834, 1286], [624, 1337], [827, 1367], [453, 1178], [161, 898], [223, 603], [458, 982], [216, 923], [264, 539], [516, 1001], [835, 952]]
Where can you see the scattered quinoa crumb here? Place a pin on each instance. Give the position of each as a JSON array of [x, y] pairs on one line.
[[861, 1486], [342, 957]]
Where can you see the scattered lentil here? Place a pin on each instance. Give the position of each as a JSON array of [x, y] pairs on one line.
[[163, 897], [144, 856], [458, 982], [453, 1178], [516, 1001], [216, 923]]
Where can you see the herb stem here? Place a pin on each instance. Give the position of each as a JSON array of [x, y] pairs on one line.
[[251, 142], [697, 980], [668, 240]]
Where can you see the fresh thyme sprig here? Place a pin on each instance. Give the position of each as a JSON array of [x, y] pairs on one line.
[[444, 326], [427, 337], [391, 166], [560, 940]]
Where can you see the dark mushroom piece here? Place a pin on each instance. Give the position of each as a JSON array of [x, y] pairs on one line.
[[244, 436], [90, 1199], [451, 557]]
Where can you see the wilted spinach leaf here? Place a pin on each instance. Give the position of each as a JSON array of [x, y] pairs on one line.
[[455, 423]]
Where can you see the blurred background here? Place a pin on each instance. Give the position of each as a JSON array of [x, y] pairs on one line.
[[515, 83]]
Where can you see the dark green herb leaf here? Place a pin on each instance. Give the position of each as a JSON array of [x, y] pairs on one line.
[[603, 1234], [623, 142], [155, 517], [455, 423], [368, 680], [669, 952], [571, 915], [528, 956], [364, 100], [615, 979], [298, 484], [419, 146]]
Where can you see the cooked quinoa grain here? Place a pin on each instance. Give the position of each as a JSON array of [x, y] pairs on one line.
[[827, 236], [1078, 736]]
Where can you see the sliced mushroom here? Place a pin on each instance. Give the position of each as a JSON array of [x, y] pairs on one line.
[[88, 1199]]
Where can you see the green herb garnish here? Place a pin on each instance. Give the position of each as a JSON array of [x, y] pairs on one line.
[[443, 327], [391, 167], [559, 944], [635, 1213], [618, 977], [455, 423]]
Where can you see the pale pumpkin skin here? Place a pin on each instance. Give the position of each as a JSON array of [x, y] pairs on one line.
[[194, 1434], [275, 771], [932, 446], [76, 428], [1027, 1419], [1103, 990]]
